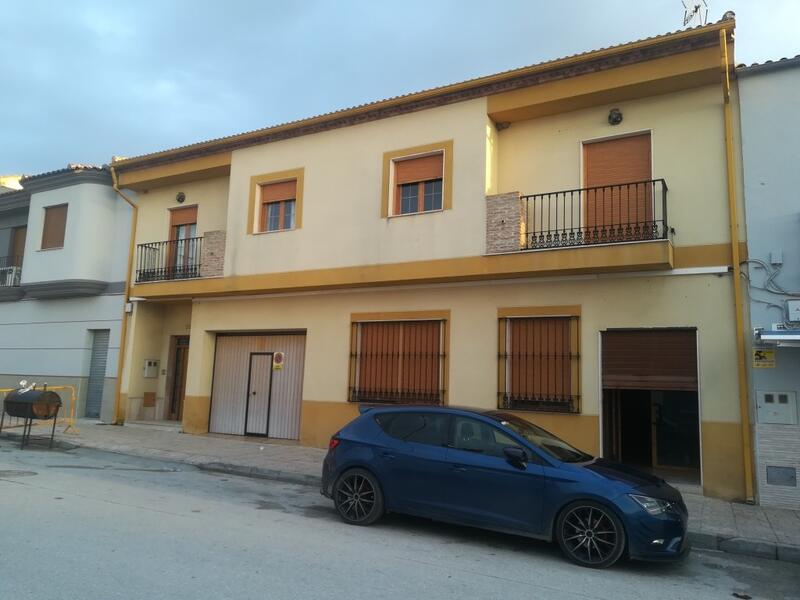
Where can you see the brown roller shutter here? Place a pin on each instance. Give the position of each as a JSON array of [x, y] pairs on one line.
[[183, 216], [398, 361], [55, 224], [650, 359], [423, 168], [541, 367], [18, 243], [283, 190], [613, 163]]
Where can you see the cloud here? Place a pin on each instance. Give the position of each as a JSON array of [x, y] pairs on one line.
[[84, 80]]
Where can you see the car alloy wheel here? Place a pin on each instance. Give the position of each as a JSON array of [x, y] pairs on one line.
[[358, 497], [590, 534]]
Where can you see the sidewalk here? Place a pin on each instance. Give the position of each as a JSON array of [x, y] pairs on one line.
[[713, 524]]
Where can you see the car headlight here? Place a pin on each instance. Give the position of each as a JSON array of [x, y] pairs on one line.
[[653, 506]]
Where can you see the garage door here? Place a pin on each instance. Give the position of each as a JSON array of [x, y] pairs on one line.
[[251, 397], [650, 359]]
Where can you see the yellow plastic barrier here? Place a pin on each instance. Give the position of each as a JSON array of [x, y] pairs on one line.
[[68, 420]]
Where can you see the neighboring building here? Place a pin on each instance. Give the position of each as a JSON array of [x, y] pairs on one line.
[[422, 249], [63, 255], [770, 128]]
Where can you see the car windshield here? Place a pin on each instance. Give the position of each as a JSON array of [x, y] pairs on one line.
[[555, 447]]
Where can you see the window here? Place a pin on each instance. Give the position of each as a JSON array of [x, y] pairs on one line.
[[420, 428], [418, 179], [278, 202], [476, 436], [418, 183], [398, 362], [55, 224], [539, 363]]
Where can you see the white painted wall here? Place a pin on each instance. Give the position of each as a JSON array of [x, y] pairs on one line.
[[95, 240]]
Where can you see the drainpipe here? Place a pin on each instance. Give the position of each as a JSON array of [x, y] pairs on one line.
[[119, 410], [744, 406]]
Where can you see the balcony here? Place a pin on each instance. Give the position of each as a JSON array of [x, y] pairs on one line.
[[593, 229], [187, 258], [10, 271]]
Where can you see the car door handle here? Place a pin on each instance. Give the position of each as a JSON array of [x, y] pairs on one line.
[[459, 468], [388, 455]]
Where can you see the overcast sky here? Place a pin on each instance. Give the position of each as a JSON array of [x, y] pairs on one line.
[[83, 80]]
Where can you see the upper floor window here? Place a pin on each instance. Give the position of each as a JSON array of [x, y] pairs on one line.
[[418, 184], [417, 180], [55, 225], [276, 201]]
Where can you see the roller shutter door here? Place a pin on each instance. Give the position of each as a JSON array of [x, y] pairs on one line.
[[650, 359]]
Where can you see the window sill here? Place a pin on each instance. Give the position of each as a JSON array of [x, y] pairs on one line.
[[50, 249], [414, 214], [275, 231]]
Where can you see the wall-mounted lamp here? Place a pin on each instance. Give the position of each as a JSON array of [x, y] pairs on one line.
[[614, 116], [180, 197]]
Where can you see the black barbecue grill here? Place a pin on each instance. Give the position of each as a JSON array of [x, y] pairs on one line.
[[30, 404]]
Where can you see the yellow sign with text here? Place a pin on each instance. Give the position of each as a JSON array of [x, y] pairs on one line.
[[763, 359]]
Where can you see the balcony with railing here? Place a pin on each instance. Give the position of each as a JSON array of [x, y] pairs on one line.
[[10, 271], [582, 218], [187, 258]]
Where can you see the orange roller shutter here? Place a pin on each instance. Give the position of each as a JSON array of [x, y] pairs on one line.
[[283, 190], [423, 168]]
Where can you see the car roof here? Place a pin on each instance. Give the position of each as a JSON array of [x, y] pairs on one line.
[[382, 408]]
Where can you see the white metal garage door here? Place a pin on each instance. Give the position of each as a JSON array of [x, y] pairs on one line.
[[249, 396]]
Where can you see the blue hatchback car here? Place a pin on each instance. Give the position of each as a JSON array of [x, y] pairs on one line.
[[494, 470]]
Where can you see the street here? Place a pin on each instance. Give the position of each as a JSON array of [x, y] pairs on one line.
[[84, 525]]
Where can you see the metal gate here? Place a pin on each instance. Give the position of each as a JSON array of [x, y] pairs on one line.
[[97, 372], [243, 364]]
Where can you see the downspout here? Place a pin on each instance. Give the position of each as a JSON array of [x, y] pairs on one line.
[[119, 410], [744, 405]]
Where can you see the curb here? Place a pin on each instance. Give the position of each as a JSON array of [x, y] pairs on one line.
[[261, 473], [745, 546]]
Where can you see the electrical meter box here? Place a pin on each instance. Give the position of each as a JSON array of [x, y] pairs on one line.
[[793, 311], [777, 407], [150, 368]]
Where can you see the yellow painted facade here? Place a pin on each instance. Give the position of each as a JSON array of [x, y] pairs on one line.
[[350, 257]]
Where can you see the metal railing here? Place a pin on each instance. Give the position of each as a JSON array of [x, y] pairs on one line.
[[610, 214], [10, 271], [171, 259]]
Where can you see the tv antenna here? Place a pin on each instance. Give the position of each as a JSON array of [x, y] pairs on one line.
[[695, 13]]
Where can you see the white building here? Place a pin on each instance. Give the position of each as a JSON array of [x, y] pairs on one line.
[[770, 128], [63, 257]]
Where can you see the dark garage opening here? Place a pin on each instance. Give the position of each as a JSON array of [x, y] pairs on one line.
[[650, 401]]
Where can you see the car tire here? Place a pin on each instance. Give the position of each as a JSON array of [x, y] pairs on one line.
[[358, 497], [590, 534]]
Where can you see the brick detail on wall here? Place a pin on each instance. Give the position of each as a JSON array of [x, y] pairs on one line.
[[505, 223], [212, 257]]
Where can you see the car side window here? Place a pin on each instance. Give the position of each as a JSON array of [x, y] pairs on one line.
[[420, 428], [475, 436]]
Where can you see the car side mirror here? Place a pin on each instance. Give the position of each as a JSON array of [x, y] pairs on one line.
[[515, 455]]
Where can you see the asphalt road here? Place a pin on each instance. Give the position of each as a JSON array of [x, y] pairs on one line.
[[87, 525]]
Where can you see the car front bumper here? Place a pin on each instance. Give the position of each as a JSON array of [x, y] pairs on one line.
[[659, 538]]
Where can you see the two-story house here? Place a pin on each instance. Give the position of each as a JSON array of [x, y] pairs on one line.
[[553, 241], [770, 127], [64, 238]]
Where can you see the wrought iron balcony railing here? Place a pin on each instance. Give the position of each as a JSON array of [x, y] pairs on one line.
[[171, 259], [628, 212], [10, 271]]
